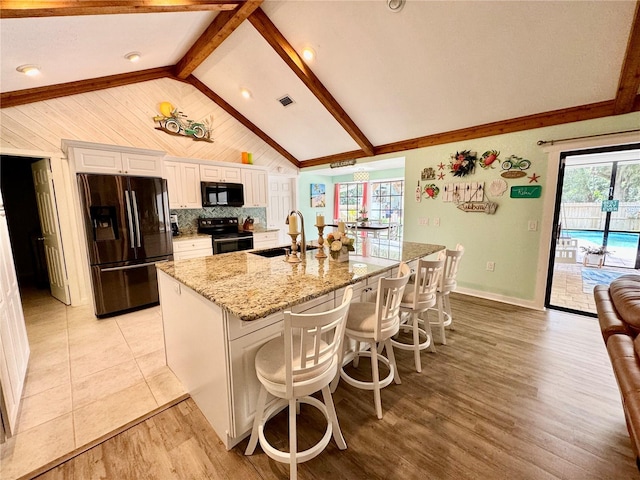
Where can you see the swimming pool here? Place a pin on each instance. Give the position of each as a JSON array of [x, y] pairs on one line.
[[625, 240]]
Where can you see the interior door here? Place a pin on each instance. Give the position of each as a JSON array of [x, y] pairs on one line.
[[14, 345], [49, 224], [281, 203]]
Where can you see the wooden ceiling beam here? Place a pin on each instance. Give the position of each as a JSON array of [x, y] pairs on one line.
[[272, 35], [333, 158], [529, 122], [222, 26], [241, 118], [30, 95], [23, 9], [629, 82]]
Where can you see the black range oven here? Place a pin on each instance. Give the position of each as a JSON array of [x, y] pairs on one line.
[[225, 234]]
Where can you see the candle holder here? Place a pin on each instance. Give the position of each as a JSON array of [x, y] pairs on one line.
[[293, 256], [320, 253]]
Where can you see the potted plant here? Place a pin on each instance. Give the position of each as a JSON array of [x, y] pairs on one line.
[[594, 255], [363, 216]]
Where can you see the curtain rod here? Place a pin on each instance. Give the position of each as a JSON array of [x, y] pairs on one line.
[[545, 142]]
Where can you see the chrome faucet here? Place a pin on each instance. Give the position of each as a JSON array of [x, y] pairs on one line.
[[303, 242]]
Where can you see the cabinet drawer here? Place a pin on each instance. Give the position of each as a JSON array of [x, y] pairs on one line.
[[239, 328], [202, 252], [320, 304], [197, 244]]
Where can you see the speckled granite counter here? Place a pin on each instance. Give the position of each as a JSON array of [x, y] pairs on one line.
[[190, 236], [251, 287]]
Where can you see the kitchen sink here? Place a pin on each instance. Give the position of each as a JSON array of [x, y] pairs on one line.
[[278, 251]]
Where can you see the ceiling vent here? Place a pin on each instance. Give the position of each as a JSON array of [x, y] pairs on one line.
[[286, 100]]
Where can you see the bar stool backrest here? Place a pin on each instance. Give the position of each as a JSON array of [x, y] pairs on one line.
[[312, 342], [388, 299], [428, 277], [452, 262]]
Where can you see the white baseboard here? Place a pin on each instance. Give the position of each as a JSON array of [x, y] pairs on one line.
[[500, 298]]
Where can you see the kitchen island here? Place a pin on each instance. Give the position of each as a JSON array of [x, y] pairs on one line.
[[219, 310]]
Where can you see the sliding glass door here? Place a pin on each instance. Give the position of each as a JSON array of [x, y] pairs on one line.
[[597, 224]]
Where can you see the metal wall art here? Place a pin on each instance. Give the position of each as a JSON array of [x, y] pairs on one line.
[[174, 122], [431, 190], [428, 174], [488, 158], [513, 167]]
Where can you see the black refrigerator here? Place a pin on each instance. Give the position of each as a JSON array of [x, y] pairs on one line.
[[128, 231]]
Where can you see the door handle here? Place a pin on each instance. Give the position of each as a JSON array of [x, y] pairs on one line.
[[128, 202], [137, 217], [130, 267]]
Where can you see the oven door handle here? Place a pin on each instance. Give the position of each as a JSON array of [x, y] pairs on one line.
[[225, 240]]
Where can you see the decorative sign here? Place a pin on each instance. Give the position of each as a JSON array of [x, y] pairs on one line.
[[486, 207], [610, 205], [464, 192], [342, 163], [526, 191]]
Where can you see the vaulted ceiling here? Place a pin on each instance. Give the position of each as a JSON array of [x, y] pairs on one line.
[[381, 81]]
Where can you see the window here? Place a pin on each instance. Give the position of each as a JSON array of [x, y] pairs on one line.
[[387, 199], [351, 201]]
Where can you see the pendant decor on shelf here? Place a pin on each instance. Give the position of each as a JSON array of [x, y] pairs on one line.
[[174, 122], [428, 174], [463, 163], [513, 167], [488, 158]]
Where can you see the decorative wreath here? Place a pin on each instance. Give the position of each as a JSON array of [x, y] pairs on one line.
[[463, 163], [431, 190]]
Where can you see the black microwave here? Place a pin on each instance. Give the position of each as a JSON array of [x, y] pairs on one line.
[[225, 194]]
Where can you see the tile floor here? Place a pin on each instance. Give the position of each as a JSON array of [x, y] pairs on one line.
[[86, 377], [567, 289]]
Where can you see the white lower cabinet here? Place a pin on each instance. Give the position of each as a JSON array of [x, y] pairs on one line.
[[213, 354], [193, 248]]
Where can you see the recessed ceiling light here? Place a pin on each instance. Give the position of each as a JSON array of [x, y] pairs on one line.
[[395, 5], [245, 93], [133, 57], [308, 54], [30, 70]]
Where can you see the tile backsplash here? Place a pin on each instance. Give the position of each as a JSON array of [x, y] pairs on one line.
[[188, 217]]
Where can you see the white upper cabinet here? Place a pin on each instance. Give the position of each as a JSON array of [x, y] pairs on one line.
[[220, 173], [114, 160], [255, 187], [183, 183]]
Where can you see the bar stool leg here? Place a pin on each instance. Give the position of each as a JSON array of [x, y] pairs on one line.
[[376, 379], [293, 441], [331, 410], [253, 441], [416, 342], [392, 361], [356, 358]]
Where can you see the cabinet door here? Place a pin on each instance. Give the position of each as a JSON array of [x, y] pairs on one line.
[[174, 187], [98, 161], [191, 195], [255, 187], [141, 165], [220, 173], [245, 384]]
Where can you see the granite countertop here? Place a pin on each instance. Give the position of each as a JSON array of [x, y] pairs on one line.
[[190, 236], [251, 287]]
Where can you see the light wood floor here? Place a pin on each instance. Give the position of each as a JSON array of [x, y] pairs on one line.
[[515, 394]]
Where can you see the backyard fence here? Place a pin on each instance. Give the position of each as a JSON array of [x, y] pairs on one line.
[[589, 216]]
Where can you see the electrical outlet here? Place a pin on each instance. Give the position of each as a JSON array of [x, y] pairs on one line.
[[491, 266], [436, 221], [533, 225]]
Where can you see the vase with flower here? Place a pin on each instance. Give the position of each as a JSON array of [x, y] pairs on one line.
[[339, 246]]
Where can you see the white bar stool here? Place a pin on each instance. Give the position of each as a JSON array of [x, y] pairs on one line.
[[303, 361], [374, 323], [447, 285], [417, 299]]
